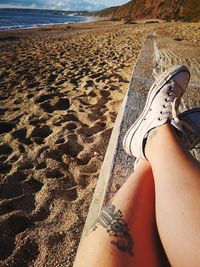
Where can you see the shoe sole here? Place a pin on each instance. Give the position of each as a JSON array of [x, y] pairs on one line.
[[163, 79]]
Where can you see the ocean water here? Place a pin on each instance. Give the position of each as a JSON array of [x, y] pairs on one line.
[[22, 18]]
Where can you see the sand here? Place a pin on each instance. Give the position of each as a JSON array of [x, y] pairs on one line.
[[61, 89]]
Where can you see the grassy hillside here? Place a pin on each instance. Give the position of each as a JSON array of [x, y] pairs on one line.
[[107, 12]]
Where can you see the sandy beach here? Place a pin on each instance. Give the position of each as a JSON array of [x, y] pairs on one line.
[[61, 89]]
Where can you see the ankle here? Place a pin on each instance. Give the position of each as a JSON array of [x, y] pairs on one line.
[[156, 139]]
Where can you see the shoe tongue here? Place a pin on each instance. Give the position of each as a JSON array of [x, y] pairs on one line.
[[174, 119]]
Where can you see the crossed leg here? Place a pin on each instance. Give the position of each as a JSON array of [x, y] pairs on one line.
[[174, 186], [177, 189], [135, 201]]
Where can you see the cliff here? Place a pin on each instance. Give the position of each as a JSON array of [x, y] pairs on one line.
[[188, 10]]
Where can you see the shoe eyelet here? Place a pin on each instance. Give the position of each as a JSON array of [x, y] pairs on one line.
[[144, 119], [170, 88], [150, 109], [164, 106], [167, 100], [169, 94], [161, 112], [159, 119]]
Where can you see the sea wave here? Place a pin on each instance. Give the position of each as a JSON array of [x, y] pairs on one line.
[[31, 26], [28, 26], [12, 19]]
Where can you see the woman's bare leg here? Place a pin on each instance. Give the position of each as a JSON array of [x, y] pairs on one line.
[[133, 204], [177, 190]]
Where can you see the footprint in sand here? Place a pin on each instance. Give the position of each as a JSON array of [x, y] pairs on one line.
[[29, 96], [25, 259], [105, 94], [16, 177], [17, 201], [41, 132], [20, 135], [71, 117], [71, 126], [55, 173], [60, 140], [55, 104], [71, 194], [36, 120], [46, 106], [5, 149], [3, 158], [24, 203], [91, 131], [43, 98], [17, 194], [5, 167], [71, 147], [11, 225], [3, 111], [6, 127], [10, 190]]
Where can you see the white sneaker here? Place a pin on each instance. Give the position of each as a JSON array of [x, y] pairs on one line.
[[162, 102], [189, 136]]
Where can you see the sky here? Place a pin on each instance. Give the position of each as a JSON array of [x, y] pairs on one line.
[[62, 4]]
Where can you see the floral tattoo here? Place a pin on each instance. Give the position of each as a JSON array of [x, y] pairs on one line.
[[112, 220]]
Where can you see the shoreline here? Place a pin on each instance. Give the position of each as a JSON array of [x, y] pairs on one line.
[[96, 24], [86, 19], [54, 26], [14, 28], [57, 26]]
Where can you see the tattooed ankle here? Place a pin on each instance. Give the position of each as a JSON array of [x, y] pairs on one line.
[[113, 221], [152, 134]]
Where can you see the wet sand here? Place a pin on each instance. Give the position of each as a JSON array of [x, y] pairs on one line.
[[61, 89]]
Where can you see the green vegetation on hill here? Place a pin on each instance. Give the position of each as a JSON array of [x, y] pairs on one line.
[[107, 12]]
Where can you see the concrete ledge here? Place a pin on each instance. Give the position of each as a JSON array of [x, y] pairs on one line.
[[109, 160], [157, 55]]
